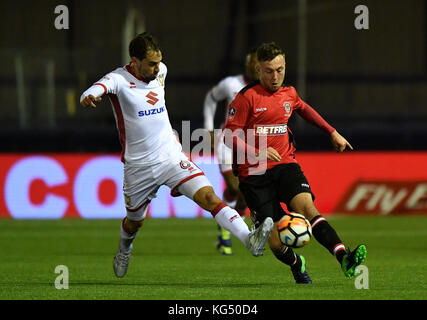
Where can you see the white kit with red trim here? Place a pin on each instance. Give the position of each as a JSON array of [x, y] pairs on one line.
[[142, 119], [226, 90], [151, 151]]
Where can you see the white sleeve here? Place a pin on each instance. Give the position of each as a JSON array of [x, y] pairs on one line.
[[209, 108], [215, 95], [108, 84]]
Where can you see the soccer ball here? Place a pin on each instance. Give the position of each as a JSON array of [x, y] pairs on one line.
[[294, 230]]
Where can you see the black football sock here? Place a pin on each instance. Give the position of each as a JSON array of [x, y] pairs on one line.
[[287, 256], [327, 237]]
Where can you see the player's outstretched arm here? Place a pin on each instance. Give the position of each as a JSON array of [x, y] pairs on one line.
[[90, 100], [339, 142]]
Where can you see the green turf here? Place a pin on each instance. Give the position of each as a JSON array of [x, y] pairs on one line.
[[176, 259]]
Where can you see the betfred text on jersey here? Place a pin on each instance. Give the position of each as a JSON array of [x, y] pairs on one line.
[[150, 112], [271, 130]]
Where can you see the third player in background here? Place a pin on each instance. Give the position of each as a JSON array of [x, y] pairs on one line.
[[226, 90]]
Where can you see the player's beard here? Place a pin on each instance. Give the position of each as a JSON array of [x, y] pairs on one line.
[[150, 77], [147, 77]]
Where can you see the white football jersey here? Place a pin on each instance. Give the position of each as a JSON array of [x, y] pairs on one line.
[[226, 89], [142, 119]]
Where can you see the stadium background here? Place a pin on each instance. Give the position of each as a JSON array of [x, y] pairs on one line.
[[58, 160], [370, 84]]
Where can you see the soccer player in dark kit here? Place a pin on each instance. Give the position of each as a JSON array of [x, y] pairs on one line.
[[261, 111]]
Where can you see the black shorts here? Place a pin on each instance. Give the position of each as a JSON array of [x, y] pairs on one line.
[[263, 193]]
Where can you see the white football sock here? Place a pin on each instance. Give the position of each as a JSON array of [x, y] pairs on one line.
[[231, 204], [231, 220], [126, 239]]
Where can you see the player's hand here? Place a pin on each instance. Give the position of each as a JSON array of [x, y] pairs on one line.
[[90, 100], [339, 142], [269, 153]]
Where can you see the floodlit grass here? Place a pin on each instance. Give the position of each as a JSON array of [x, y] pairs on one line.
[[176, 259]]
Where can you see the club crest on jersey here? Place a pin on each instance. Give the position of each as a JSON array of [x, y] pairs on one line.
[[287, 106], [161, 79], [184, 164], [231, 112], [132, 85]]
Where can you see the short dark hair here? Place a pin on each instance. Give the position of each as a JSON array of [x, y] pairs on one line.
[[141, 44], [269, 51]]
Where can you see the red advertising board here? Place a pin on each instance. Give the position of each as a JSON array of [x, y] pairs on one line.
[[55, 186], [46, 186], [385, 197], [333, 177]]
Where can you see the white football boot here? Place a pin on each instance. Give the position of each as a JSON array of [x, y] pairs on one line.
[[257, 239], [121, 263]]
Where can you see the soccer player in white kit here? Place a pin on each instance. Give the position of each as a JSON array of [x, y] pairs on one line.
[[226, 90], [151, 153]]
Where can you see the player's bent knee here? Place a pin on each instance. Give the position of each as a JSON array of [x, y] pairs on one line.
[[206, 198], [303, 204], [133, 226], [309, 211]]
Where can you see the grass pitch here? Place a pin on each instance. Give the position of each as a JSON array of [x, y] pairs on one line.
[[176, 259]]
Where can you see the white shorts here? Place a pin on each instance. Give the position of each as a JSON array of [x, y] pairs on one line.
[[224, 156], [141, 183]]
